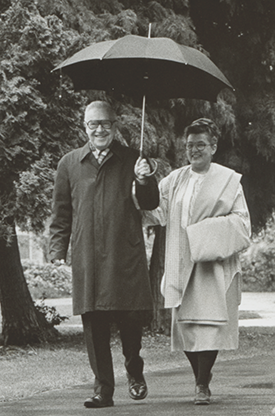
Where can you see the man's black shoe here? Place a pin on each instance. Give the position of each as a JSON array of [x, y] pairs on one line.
[[137, 388], [98, 401]]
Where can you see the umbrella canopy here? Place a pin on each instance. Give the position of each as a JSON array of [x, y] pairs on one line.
[[136, 66]]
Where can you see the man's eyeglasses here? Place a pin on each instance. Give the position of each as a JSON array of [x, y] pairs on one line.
[[105, 124], [199, 146]]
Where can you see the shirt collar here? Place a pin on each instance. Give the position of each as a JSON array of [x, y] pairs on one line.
[[115, 147]]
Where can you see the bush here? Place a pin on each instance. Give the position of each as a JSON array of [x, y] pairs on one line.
[[50, 313], [259, 269], [48, 280], [258, 261]]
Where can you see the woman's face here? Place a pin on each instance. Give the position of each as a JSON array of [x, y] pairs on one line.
[[199, 151]]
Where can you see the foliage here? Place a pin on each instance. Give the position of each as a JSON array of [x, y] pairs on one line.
[[47, 280], [240, 38], [34, 122], [52, 316], [33, 194], [259, 275], [258, 261], [37, 127]]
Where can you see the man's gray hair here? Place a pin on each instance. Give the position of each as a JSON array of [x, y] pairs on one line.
[[104, 105]]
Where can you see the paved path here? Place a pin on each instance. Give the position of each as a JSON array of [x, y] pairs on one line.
[[241, 387], [259, 306], [262, 304]]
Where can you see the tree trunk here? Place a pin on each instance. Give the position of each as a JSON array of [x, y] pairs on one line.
[[22, 323], [161, 316]]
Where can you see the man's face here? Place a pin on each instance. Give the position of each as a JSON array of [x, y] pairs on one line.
[[101, 137]]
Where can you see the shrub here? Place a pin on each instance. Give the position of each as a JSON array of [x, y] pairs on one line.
[[50, 313], [258, 261], [258, 268], [48, 280]]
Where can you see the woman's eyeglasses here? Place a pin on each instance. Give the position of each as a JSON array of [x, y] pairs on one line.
[[199, 146]]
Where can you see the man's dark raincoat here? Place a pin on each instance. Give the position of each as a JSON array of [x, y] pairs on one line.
[[93, 204]]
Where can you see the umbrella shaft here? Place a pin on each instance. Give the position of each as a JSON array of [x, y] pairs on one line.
[[149, 30], [142, 127]]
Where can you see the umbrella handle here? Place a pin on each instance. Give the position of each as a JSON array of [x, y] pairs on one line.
[[154, 166]]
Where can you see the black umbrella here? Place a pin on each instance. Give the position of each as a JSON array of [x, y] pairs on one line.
[[157, 68]]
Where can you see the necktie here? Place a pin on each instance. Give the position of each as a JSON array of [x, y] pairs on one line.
[[101, 155]]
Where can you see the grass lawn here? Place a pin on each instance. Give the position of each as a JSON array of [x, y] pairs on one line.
[[30, 370]]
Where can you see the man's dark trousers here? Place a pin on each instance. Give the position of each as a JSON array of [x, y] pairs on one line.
[[97, 333]]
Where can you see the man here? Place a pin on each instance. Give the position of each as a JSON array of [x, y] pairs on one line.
[[93, 203]]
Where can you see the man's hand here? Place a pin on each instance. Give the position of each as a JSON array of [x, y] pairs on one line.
[[142, 169]]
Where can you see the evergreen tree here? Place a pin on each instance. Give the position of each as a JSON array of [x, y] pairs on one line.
[[240, 37], [32, 125], [41, 117]]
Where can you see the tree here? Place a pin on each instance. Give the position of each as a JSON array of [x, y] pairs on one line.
[[22, 322], [240, 38], [30, 123], [38, 127]]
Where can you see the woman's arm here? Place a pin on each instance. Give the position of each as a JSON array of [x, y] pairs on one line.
[[218, 238]]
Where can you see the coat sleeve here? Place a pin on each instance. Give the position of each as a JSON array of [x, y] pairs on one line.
[[218, 238], [147, 195], [61, 221]]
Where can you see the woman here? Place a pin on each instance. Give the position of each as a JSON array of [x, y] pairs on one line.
[[207, 223]]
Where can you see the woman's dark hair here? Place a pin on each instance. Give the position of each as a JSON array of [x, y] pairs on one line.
[[204, 125]]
